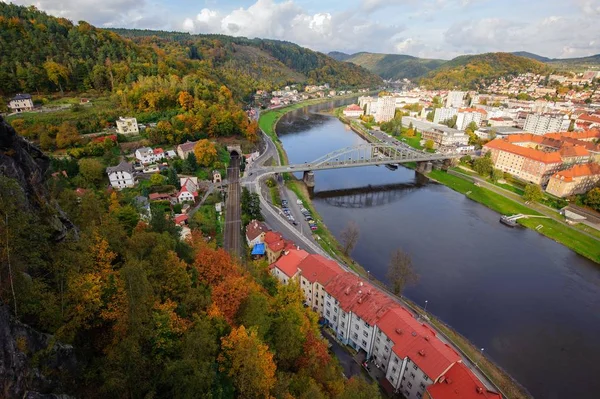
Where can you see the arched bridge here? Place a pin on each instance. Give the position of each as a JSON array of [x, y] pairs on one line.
[[366, 155]]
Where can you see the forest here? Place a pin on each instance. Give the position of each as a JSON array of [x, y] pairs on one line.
[[149, 315]]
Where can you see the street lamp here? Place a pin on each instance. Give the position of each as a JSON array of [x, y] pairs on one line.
[[426, 301], [368, 275], [481, 352]]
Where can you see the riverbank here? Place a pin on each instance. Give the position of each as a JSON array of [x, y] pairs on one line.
[[329, 243]]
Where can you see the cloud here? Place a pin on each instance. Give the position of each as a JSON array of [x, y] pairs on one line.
[[323, 31]]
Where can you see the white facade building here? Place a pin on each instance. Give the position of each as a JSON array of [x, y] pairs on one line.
[[542, 124], [443, 114], [386, 109], [455, 99], [468, 115], [121, 176], [20, 103], [127, 125], [145, 155]]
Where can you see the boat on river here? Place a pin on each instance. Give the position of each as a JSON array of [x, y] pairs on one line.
[[508, 221]]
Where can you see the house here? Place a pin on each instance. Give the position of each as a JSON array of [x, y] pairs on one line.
[[255, 232], [353, 111], [121, 176], [127, 125], [258, 250], [183, 150], [189, 182], [145, 155], [181, 219], [20, 103], [459, 383], [216, 176], [159, 154], [315, 272], [578, 179], [170, 154], [185, 195], [285, 268], [275, 245]]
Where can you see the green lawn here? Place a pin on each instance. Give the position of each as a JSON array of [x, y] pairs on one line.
[[580, 243]]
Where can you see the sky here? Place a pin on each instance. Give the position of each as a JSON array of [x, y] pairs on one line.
[[423, 28]]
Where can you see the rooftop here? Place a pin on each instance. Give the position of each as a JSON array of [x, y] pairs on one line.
[[587, 169], [23, 96], [121, 167], [254, 229], [316, 268], [289, 261], [460, 383]]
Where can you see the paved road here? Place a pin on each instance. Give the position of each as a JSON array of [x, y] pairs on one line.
[[233, 222]]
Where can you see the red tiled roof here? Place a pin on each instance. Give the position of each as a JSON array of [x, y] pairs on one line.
[[587, 169], [585, 135], [158, 150], [254, 229], [180, 219], [570, 150], [289, 261], [541, 156], [353, 107], [360, 297], [481, 111], [588, 118], [316, 268], [460, 383], [159, 196], [417, 342]]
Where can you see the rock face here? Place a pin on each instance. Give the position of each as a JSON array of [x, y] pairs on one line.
[[23, 161], [20, 375]]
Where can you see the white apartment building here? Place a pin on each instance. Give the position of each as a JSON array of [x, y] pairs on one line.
[[455, 99], [127, 125], [368, 104], [20, 103], [386, 109], [121, 176], [467, 115], [541, 124], [442, 114]]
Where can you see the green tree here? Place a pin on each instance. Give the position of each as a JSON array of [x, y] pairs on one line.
[[57, 73], [190, 165], [533, 193], [157, 179], [484, 165], [91, 170], [172, 178], [497, 174], [429, 144], [592, 198], [358, 388]]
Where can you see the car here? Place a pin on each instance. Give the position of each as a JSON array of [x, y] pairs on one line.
[[284, 202], [294, 223]]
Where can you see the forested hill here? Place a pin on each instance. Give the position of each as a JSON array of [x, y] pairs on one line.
[[391, 66], [472, 71], [284, 57], [41, 53]]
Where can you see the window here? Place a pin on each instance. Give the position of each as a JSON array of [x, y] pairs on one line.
[[355, 336], [386, 349], [425, 378], [378, 340], [328, 312], [334, 318], [364, 343], [378, 332], [367, 324], [393, 369], [317, 302], [356, 327], [328, 304], [343, 315], [335, 310], [422, 386], [387, 340], [412, 375], [303, 282], [415, 367], [343, 324], [328, 296], [419, 395], [365, 334], [409, 385], [396, 360]]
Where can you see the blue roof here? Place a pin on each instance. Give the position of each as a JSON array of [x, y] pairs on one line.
[[259, 249]]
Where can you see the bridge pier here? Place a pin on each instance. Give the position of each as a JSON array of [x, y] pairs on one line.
[[424, 167], [309, 178]]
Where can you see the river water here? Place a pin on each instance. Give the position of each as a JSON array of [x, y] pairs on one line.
[[531, 303]]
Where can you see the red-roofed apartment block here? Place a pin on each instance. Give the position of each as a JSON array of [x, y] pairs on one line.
[[459, 383], [286, 267], [315, 272], [275, 245]]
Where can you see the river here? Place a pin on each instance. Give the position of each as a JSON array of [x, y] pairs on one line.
[[531, 303]]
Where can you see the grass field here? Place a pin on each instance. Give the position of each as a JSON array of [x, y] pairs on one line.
[[572, 238]]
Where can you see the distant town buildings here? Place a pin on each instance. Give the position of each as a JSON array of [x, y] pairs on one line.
[[121, 176], [127, 126], [21, 103], [546, 123], [467, 115], [443, 136], [353, 111], [443, 114]]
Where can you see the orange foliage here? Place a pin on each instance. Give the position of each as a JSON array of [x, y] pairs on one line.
[[230, 293], [213, 266]]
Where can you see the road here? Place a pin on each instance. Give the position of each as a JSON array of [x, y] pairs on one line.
[[233, 222]]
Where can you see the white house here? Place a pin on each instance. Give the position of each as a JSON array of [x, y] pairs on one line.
[[255, 232], [121, 176], [386, 109], [184, 195], [20, 103], [189, 182], [127, 125], [145, 155], [183, 150]]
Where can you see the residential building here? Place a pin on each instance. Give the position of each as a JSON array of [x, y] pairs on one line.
[[588, 121], [368, 104], [127, 125], [578, 179], [459, 383], [315, 272], [286, 267], [386, 109], [545, 123], [255, 232], [183, 150], [467, 115], [275, 245], [455, 99], [216, 176], [20, 103], [443, 136], [501, 121], [189, 182], [490, 133], [145, 155], [121, 176], [353, 111], [185, 195], [443, 114]]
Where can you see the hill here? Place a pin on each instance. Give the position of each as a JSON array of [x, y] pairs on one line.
[[391, 66], [472, 71], [532, 56]]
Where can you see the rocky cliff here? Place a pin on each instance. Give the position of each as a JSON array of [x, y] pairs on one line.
[[23, 161], [32, 364]]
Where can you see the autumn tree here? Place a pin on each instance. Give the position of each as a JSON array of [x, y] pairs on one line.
[[206, 152], [185, 100], [248, 362], [429, 144], [484, 165], [400, 271], [359, 388], [592, 198], [91, 170], [157, 179], [349, 237], [57, 73]]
